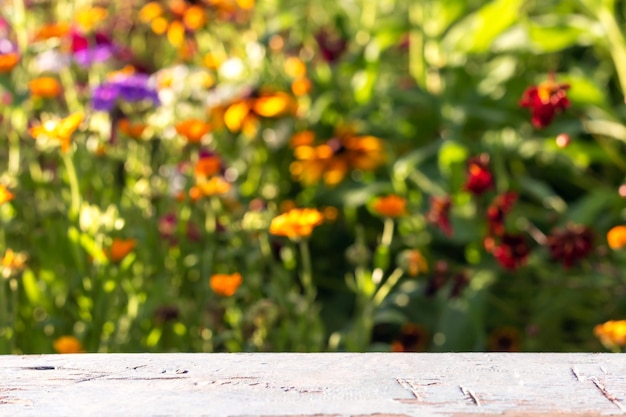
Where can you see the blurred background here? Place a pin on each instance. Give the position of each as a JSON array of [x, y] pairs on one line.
[[348, 175]]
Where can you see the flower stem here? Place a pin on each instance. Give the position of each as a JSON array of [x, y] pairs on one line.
[[4, 314], [387, 286], [617, 44], [74, 187], [387, 232], [306, 274], [417, 63]]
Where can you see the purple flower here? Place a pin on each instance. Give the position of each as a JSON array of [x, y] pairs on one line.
[[98, 49], [130, 88], [100, 53]]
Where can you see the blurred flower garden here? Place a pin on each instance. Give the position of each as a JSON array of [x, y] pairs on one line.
[[287, 175]]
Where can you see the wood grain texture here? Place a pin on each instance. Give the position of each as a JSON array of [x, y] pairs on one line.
[[314, 385]]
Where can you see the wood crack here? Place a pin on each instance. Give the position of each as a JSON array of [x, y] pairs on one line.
[[607, 394], [471, 395]]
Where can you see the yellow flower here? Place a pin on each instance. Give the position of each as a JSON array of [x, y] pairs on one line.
[[389, 206], [296, 223], [88, 18], [60, 130], [5, 195], [12, 262], [68, 344], [295, 67], [225, 284], [612, 334], [616, 237], [120, 248]]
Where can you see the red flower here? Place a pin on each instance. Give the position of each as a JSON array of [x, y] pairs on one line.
[[496, 212], [544, 101], [570, 244], [438, 279], [332, 45], [512, 251], [439, 213], [479, 177]]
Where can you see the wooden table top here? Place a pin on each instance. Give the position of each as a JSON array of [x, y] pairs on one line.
[[314, 385]]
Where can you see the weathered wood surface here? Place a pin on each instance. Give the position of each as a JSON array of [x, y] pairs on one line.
[[313, 385]]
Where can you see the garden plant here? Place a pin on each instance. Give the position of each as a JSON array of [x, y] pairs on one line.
[[290, 175]]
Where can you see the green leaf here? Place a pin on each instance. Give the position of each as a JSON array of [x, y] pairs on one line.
[[594, 206], [583, 91], [443, 14], [451, 153], [543, 193], [406, 163], [363, 84], [555, 33], [477, 32], [31, 288]]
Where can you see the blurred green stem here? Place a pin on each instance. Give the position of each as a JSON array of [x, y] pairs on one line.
[[306, 274], [4, 314], [387, 232], [417, 62], [16, 123], [19, 24], [386, 288], [74, 187], [617, 44]]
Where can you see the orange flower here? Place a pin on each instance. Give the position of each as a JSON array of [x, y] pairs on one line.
[[226, 285], [120, 248], [612, 334], [210, 187], [193, 129], [5, 195], [413, 262], [304, 138], [60, 130], [296, 223], [301, 86], [616, 237], [389, 206], [132, 130], [244, 114], [505, 339], [208, 166], [227, 8], [413, 338], [8, 61], [45, 87], [68, 344], [333, 160], [52, 30], [174, 22]]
